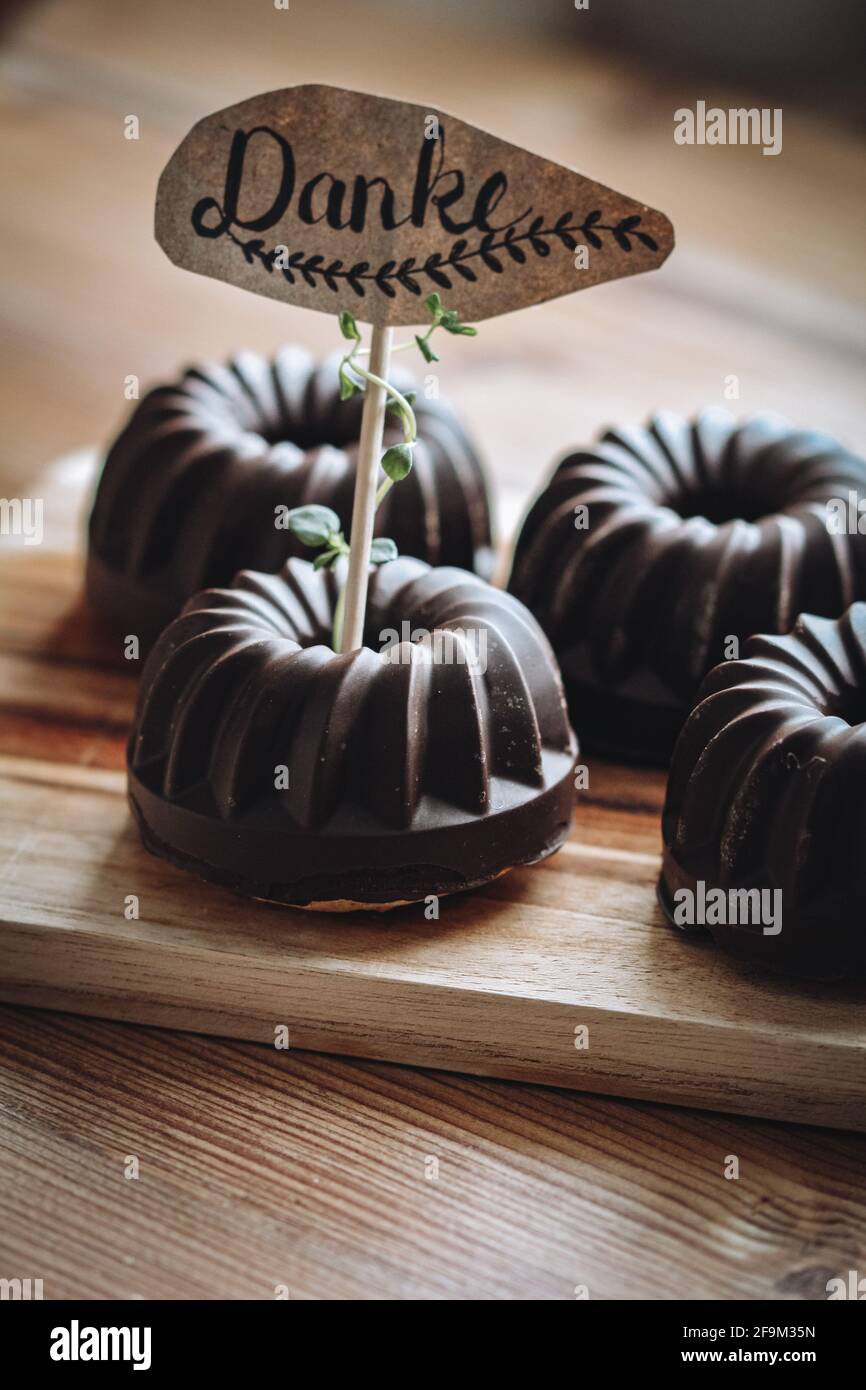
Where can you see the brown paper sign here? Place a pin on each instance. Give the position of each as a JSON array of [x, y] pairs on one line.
[[338, 200]]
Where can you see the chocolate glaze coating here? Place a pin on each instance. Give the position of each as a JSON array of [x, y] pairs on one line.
[[188, 492], [697, 531], [767, 789], [410, 771]]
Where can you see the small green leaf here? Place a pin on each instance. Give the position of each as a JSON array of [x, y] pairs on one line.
[[382, 550], [313, 525], [433, 302], [327, 557], [348, 387], [348, 326], [397, 462], [426, 351], [451, 323], [395, 408]]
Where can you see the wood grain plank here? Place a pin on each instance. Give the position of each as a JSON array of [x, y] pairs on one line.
[[496, 987], [260, 1167]]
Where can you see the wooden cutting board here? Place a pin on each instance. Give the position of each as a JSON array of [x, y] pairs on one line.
[[497, 987]]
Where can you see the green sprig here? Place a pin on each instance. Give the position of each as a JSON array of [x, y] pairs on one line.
[[319, 527]]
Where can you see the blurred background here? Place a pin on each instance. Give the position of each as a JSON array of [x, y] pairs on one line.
[[766, 284]]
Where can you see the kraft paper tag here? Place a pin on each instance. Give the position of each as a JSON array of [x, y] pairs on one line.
[[338, 200]]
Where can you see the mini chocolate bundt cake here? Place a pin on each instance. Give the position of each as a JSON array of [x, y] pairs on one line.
[[262, 760], [650, 549], [767, 797], [190, 488]]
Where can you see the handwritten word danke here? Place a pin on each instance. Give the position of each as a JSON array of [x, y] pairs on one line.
[[323, 197]]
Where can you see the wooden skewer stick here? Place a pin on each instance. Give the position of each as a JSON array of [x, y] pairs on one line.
[[366, 483]]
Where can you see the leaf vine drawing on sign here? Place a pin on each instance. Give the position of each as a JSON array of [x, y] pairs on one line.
[[409, 274], [327, 198]]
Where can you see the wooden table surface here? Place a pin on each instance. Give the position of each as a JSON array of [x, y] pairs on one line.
[[261, 1168]]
